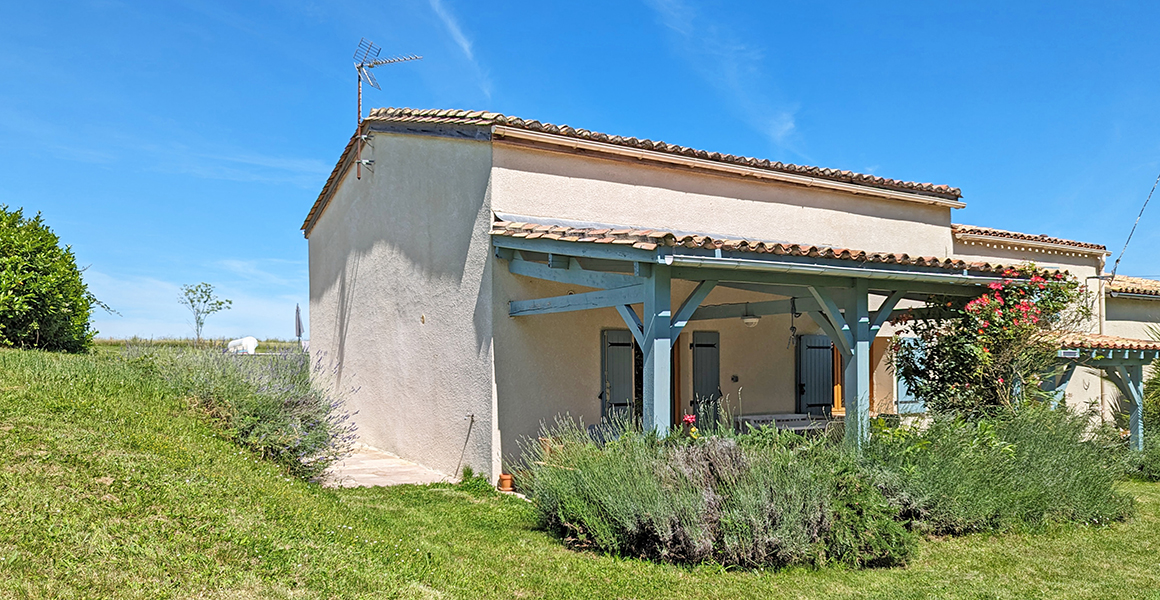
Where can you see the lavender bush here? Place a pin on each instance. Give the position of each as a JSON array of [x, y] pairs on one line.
[[270, 404]]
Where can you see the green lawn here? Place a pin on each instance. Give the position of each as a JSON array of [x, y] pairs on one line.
[[110, 488]]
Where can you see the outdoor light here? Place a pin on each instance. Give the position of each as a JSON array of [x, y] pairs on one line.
[[748, 319]]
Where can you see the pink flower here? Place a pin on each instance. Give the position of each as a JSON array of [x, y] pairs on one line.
[[689, 419]]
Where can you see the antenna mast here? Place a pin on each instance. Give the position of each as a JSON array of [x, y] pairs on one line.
[[366, 57]]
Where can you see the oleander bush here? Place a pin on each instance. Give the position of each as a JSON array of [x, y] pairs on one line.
[[270, 404]]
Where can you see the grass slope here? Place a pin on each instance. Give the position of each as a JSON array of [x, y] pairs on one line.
[[110, 487]]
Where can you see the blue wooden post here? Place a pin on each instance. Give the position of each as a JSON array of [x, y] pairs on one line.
[[657, 325], [856, 389], [1135, 380]]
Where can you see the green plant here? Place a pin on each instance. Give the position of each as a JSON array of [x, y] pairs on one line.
[[44, 302], [270, 404], [973, 357], [201, 302], [764, 499], [1012, 471]]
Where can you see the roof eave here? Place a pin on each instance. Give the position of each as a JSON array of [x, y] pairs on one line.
[[1006, 241]]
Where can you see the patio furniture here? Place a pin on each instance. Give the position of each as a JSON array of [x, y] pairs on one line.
[[792, 421]]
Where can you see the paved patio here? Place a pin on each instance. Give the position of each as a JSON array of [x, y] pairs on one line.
[[370, 467]]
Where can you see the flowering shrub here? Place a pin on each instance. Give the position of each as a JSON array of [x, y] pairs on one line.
[[973, 356]]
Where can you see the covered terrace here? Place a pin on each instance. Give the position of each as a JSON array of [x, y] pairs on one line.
[[850, 294]]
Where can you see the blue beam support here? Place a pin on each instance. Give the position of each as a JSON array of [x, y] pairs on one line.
[[1130, 380], [588, 300], [856, 389], [657, 349], [837, 327], [689, 307], [573, 274]]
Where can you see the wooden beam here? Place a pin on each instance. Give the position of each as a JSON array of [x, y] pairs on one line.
[[759, 309], [689, 306], [572, 275], [856, 385], [620, 252], [657, 350], [740, 276], [843, 337], [880, 316], [574, 302], [633, 321]]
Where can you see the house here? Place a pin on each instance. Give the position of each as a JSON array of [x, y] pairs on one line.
[[475, 275]]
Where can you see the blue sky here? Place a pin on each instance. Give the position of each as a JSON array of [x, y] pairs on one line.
[[183, 141]]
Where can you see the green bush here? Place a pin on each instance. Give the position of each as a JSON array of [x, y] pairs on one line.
[[44, 303], [266, 403], [1013, 471], [766, 500]]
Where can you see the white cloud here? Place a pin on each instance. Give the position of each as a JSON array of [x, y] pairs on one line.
[[731, 66], [456, 32], [453, 28]]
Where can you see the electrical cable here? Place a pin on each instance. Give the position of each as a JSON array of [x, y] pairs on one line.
[[1131, 233]]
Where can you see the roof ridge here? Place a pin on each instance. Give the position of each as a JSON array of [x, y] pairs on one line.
[[468, 117]]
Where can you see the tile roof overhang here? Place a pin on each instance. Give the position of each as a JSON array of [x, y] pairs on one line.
[[988, 236], [501, 127], [1133, 287], [1095, 341], [687, 249]]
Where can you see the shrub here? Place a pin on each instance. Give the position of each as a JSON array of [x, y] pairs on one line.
[[44, 303], [768, 499], [973, 357], [1013, 471], [268, 403]]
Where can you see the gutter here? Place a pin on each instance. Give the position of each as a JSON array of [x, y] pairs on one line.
[[1132, 296], [741, 264], [500, 131]]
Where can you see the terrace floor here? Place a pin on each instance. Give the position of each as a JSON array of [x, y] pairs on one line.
[[370, 467]]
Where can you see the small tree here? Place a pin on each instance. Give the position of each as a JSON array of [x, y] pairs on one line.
[[202, 302], [974, 356], [44, 302]]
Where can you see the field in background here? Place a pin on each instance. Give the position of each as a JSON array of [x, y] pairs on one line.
[[110, 486], [272, 345]]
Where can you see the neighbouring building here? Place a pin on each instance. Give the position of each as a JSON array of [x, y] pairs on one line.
[[475, 275]]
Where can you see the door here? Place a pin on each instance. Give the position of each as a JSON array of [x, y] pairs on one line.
[[815, 375], [617, 369], [706, 377]]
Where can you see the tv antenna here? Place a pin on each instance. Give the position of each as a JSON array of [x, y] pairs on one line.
[[366, 57]]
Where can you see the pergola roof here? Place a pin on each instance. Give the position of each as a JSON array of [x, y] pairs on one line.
[[651, 239]]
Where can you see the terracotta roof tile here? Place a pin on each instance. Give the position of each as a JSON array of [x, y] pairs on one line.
[[971, 230], [464, 117], [490, 119], [1134, 285], [651, 239], [1096, 341]]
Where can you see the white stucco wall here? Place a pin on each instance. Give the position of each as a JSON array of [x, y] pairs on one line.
[[554, 185], [400, 298]]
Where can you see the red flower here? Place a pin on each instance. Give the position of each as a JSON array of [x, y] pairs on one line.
[[689, 419]]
